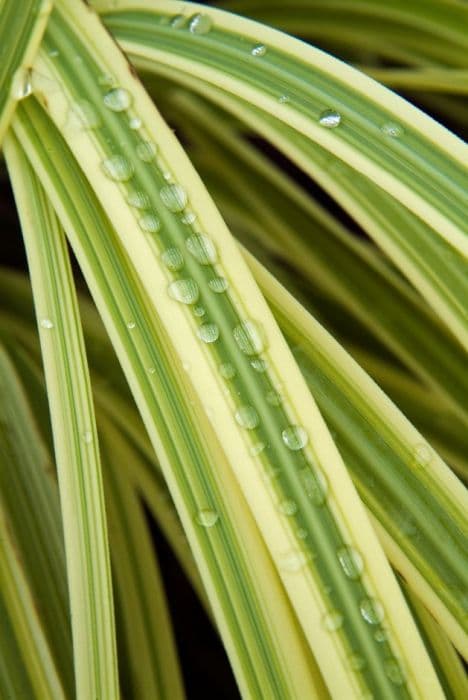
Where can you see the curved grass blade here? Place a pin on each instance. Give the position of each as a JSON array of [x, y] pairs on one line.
[[74, 433]]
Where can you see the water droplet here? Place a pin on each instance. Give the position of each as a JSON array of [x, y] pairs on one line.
[[131, 325], [21, 84], [293, 561], [47, 323], [227, 370], [302, 533], [392, 130], [257, 448], [87, 437], [151, 370], [178, 21], [422, 455], [207, 517], [315, 485], [117, 99], [200, 24], [259, 50], [138, 199], [199, 311], [185, 291], [85, 114], [288, 507], [208, 332], [135, 123], [283, 99], [351, 562], [371, 610], [173, 259], [146, 151], [330, 119], [274, 398], [173, 197], [247, 417], [202, 248], [357, 662], [107, 80], [333, 620], [117, 168], [259, 365], [53, 53], [381, 635], [295, 437], [149, 223], [393, 671], [218, 284], [188, 218], [249, 338]]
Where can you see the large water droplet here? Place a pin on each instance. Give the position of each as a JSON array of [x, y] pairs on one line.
[[207, 517], [202, 248], [146, 151], [178, 21], [351, 562], [315, 485], [208, 332], [293, 561], [185, 291], [117, 99], [218, 284], [259, 50], [173, 259], [295, 437], [371, 610], [228, 371], [200, 24], [47, 323], [149, 223], [288, 507], [117, 168], [247, 417], [138, 199], [173, 197], [332, 620], [393, 671], [21, 84], [249, 338], [135, 123], [85, 114], [330, 119], [392, 130], [188, 218]]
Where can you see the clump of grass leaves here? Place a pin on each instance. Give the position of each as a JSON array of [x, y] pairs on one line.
[[289, 402]]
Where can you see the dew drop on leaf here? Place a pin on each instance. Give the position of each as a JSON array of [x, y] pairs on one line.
[[330, 119], [392, 130], [332, 620], [371, 610], [351, 562], [173, 259], [249, 338], [138, 199], [293, 561], [146, 151], [117, 168], [202, 248], [259, 50], [393, 671], [149, 223], [288, 507], [173, 197], [228, 371], [295, 437], [117, 99], [247, 417], [184, 290], [207, 517], [47, 323], [208, 332], [200, 24], [218, 284]]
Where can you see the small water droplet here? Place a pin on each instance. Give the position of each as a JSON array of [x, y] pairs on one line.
[[53, 53], [332, 620], [131, 325], [151, 370], [295, 437], [293, 561], [117, 168], [207, 517], [21, 84], [218, 284], [302, 533], [381, 635], [393, 671], [173, 197], [85, 114], [149, 223], [188, 218], [107, 80], [208, 332], [357, 662], [392, 130], [247, 417], [330, 119], [87, 437], [199, 311], [274, 398], [146, 151], [228, 371], [138, 199], [288, 507], [117, 99], [178, 21], [257, 448], [200, 24], [173, 259], [47, 323], [135, 123], [185, 291], [259, 50], [283, 99], [259, 365], [371, 610], [249, 338], [202, 248], [315, 485], [422, 455], [351, 562]]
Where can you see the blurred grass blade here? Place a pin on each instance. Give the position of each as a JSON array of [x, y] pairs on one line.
[[74, 433]]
